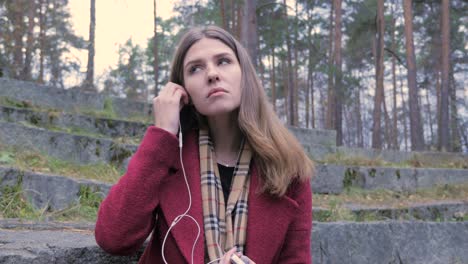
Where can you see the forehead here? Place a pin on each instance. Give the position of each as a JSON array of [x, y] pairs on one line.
[[206, 47]]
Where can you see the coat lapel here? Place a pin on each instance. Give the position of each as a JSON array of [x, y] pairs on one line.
[[175, 201], [268, 222]]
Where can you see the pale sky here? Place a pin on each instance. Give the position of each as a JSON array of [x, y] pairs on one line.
[[116, 21]]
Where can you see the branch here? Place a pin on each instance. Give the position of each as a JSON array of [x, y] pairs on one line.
[[396, 56]]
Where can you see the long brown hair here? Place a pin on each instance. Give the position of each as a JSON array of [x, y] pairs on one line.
[[277, 153]]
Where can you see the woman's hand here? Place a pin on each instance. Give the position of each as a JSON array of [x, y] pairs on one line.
[[167, 106], [227, 257]]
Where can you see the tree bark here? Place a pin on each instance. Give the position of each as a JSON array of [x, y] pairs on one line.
[[394, 140], [249, 29], [89, 82], [273, 79], [444, 100], [290, 78], [338, 76], [455, 142], [404, 114], [223, 13], [360, 136], [429, 115], [330, 113], [296, 67], [416, 131], [16, 9], [26, 74], [42, 24], [379, 73]]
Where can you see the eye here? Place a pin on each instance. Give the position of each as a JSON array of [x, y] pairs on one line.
[[224, 61], [194, 69]]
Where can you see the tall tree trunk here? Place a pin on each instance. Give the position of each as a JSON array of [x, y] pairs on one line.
[[290, 77], [310, 74], [416, 131], [429, 115], [284, 69], [296, 67], [360, 136], [273, 79], [330, 113], [379, 73], [404, 114], [240, 15], [387, 121], [155, 50], [26, 74], [89, 82], [394, 108], [42, 24], [233, 17], [17, 22], [455, 142], [249, 29], [338, 76], [223, 13], [444, 100]]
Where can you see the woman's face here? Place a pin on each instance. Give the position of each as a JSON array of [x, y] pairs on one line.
[[212, 77]]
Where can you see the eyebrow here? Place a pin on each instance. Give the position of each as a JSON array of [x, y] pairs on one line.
[[195, 61]]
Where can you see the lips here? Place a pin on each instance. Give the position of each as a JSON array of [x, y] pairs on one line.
[[215, 90]]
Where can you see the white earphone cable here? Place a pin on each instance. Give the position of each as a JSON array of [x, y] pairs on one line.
[[185, 214]]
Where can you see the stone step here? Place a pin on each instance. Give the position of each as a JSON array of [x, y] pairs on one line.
[[317, 142], [81, 149], [70, 99], [430, 211], [423, 157], [103, 126], [44, 247], [334, 179], [50, 191], [59, 192], [340, 242], [64, 146]]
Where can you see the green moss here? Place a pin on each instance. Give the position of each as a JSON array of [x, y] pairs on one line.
[[397, 172], [349, 178], [7, 101], [372, 172], [119, 154]]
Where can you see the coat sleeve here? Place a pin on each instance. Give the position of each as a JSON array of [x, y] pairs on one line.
[[126, 216], [297, 245]]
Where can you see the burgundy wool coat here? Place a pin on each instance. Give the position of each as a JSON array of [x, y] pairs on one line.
[[278, 229]]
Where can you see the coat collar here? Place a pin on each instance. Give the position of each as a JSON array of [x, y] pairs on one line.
[[265, 212]]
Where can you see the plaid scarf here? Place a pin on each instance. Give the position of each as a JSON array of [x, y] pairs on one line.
[[221, 234]]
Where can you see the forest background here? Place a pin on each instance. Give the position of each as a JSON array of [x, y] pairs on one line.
[[384, 74]]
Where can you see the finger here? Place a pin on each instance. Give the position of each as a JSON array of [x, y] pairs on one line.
[[227, 256]]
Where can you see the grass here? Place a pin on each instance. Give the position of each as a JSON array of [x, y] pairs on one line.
[[85, 210], [14, 204], [335, 205], [38, 162], [393, 198], [416, 161]]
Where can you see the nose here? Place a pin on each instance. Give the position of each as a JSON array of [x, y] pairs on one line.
[[213, 75]]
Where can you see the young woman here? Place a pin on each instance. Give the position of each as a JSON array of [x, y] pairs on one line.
[[218, 175]]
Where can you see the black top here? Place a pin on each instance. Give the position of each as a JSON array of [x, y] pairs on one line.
[[226, 174]]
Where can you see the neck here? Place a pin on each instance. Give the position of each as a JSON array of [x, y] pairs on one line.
[[225, 134]]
